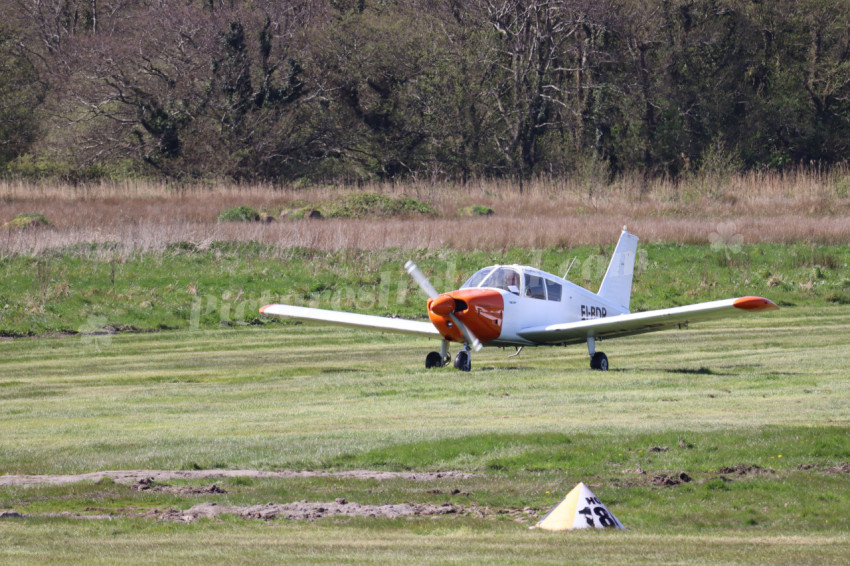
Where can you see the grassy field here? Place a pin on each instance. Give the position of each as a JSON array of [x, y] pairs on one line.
[[130, 341], [90, 289], [753, 411]]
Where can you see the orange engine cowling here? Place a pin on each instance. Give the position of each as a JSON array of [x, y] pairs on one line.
[[479, 309]]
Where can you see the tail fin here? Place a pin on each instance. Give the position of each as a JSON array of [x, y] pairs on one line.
[[616, 287]]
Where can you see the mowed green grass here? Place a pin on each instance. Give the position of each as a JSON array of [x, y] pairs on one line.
[[88, 288], [766, 391]]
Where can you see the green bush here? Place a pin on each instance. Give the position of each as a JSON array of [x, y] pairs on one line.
[[28, 221], [308, 212], [476, 210], [842, 187], [239, 214], [374, 205]]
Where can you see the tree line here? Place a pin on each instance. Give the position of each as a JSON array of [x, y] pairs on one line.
[[350, 90]]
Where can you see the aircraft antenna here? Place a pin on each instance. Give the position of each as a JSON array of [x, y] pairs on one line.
[[570, 267]]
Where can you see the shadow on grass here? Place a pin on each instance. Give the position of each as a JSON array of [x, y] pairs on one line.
[[692, 371]]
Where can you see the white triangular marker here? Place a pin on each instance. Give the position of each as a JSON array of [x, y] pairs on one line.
[[580, 509]]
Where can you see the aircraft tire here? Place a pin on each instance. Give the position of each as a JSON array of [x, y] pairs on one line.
[[462, 361], [433, 360], [599, 361]]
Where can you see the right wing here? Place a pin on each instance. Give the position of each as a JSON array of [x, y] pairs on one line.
[[354, 320], [640, 322]]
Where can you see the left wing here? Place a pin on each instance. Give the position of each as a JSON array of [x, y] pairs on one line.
[[385, 324], [638, 323]]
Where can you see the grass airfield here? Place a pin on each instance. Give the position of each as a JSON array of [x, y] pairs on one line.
[[753, 410]]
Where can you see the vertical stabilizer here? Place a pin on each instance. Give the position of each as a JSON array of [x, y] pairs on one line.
[[616, 287]]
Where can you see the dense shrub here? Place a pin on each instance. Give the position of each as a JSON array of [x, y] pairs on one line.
[[375, 205], [239, 214], [28, 222], [327, 91], [476, 210]]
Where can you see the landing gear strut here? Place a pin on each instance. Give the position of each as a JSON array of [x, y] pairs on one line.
[[463, 360], [598, 360], [433, 360], [438, 359]]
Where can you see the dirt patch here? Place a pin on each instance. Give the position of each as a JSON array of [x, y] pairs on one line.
[[745, 470], [137, 476], [306, 511], [842, 468], [670, 480], [454, 491], [147, 484], [296, 511]]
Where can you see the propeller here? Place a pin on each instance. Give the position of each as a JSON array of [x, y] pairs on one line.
[[429, 290], [420, 279]]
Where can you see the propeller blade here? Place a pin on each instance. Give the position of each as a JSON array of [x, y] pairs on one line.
[[429, 289], [473, 342], [420, 278]]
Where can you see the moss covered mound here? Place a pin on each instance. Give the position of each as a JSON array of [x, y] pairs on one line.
[[372, 205], [28, 222], [239, 214], [476, 210]]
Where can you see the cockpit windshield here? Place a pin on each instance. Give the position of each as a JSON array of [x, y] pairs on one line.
[[477, 278], [506, 278]]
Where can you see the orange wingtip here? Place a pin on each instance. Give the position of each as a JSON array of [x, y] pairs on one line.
[[755, 304], [263, 309]]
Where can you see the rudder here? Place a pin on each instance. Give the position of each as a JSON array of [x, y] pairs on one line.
[[616, 286]]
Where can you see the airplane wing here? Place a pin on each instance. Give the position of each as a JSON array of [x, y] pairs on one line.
[[385, 324], [638, 323]]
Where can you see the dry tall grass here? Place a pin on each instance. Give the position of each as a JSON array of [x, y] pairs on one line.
[[141, 216]]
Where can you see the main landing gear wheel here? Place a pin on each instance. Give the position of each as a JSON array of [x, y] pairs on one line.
[[599, 361], [433, 360], [462, 361]]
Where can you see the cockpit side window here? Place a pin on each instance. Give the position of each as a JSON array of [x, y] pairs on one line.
[[535, 287], [553, 290]]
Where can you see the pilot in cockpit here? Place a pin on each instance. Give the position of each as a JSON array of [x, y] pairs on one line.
[[511, 281]]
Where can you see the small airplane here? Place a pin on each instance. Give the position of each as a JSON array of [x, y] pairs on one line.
[[518, 306]]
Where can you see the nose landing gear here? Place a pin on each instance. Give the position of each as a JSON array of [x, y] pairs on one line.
[[462, 361]]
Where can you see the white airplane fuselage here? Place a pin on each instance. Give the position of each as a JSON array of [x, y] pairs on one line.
[[577, 303], [572, 303]]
